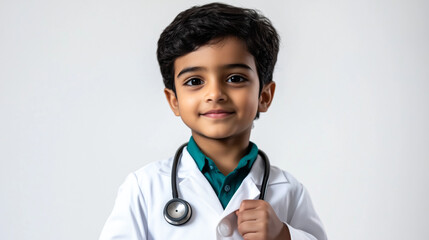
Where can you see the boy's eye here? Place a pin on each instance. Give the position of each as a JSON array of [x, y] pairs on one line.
[[236, 79], [194, 82]]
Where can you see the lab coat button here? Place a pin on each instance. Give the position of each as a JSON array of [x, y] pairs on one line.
[[225, 228]]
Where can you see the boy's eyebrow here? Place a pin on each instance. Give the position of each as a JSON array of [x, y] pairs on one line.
[[227, 66], [237, 65], [189, 69]]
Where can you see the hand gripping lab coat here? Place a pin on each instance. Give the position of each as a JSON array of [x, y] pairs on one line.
[[139, 206]]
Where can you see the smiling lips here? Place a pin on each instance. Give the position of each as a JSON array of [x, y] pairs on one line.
[[217, 114]]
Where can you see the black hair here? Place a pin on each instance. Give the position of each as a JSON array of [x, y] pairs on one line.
[[199, 25]]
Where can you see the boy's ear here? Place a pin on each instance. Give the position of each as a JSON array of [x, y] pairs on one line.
[[266, 96], [172, 101]]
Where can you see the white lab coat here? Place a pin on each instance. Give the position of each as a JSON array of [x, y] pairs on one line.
[[139, 206]]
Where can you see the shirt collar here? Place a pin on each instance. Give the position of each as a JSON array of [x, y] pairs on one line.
[[203, 161]]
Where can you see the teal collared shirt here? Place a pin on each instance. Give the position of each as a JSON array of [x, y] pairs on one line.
[[224, 186]]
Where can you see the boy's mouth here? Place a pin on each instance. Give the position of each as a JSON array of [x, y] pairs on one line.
[[217, 113]]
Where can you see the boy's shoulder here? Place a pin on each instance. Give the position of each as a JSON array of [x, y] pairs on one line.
[[285, 174], [158, 167], [163, 167]]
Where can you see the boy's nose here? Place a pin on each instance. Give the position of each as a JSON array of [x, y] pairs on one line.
[[215, 92]]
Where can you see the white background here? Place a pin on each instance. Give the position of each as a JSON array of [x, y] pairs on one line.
[[82, 105]]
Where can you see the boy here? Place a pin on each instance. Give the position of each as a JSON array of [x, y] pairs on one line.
[[217, 64]]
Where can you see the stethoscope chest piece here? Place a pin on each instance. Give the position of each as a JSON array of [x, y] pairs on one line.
[[177, 211]]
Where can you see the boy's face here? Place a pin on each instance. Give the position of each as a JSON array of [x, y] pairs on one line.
[[217, 89]]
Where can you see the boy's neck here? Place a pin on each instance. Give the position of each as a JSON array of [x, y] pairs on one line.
[[225, 153]]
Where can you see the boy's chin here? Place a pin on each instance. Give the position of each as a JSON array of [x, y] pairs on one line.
[[219, 135], [211, 136]]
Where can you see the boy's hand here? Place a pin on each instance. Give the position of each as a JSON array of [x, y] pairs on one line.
[[258, 221]]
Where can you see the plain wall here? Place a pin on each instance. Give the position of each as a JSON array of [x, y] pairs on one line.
[[82, 105]]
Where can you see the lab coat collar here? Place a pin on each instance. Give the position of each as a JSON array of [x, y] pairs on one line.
[[185, 167], [257, 173]]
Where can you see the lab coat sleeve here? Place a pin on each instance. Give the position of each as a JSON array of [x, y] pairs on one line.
[[305, 223], [127, 220]]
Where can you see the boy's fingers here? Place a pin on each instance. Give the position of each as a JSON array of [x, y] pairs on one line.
[[250, 215], [248, 227], [252, 236], [250, 204]]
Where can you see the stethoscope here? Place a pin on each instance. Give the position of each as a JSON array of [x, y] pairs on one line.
[[178, 211]]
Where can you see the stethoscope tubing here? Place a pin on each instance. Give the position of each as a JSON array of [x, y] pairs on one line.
[[267, 168], [174, 170]]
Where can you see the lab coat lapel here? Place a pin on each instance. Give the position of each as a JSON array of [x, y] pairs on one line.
[[194, 187], [249, 188]]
